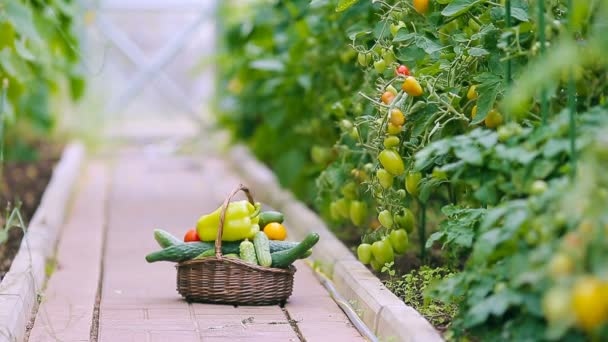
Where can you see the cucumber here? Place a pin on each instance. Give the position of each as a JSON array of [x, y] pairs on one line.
[[165, 239], [285, 258], [306, 255], [232, 255], [207, 253], [189, 250], [262, 249], [247, 252], [270, 216]]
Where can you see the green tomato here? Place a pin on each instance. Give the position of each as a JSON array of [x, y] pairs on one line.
[[401, 193], [399, 240], [343, 207], [406, 220], [557, 305], [391, 141], [384, 178], [392, 90], [538, 187], [383, 252], [364, 58], [346, 124], [380, 66], [439, 175], [364, 253], [386, 219], [412, 180], [319, 154], [375, 265], [349, 190], [358, 212], [334, 212], [347, 55], [388, 56], [354, 133], [392, 162], [396, 27]]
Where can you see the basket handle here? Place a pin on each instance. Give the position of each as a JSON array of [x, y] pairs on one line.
[[220, 229]]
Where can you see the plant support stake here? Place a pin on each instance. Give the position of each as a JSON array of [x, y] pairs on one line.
[[544, 110], [572, 99]]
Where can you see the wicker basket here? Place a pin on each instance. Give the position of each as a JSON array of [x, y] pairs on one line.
[[231, 280]]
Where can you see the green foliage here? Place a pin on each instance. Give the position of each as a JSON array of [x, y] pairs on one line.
[[504, 194], [281, 85], [412, 287], [38, 49]]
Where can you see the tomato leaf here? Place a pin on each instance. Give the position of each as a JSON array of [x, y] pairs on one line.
[[459, 7], [419, 40], [488, 89], [343, 5]]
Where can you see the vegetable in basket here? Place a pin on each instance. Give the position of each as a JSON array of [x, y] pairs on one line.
[[241, 222]]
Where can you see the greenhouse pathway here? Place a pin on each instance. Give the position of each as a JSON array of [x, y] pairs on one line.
[[103, 290]]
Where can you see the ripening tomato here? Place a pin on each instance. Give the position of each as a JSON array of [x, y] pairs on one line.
[[411, 182], [589, 303], [364, 253], [397, 117], [412, 87], [472, 93], [386, 219], [405, 220], [383, 252], [392, 162], [191, 236], [421, 6], [391, 141], [384, 178], [358, 212], [402, 70], [393, 129], [387, 97], [494, 119], [399, 240], [474, 112]]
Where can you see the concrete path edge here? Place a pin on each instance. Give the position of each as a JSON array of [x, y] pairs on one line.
[[24, 281], [383, 312]]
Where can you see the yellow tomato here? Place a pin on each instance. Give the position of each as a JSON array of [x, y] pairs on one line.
[[474, 112], [472, 93], [589, 303], [411, 86], [393, 129], [494, 119]]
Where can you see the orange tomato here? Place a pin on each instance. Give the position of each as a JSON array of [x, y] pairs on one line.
[[397, 117], [387, 97], [421, 6], [275, 231], [191, 236]]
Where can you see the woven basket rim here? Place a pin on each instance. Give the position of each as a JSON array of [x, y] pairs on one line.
[[239, 262]]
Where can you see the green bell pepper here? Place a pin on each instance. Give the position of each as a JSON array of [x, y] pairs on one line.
[[241, 222]]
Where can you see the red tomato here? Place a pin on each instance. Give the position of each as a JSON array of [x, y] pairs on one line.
[[402, 70], [191, 236]]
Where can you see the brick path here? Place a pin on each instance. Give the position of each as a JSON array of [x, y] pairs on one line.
[[124, 200]]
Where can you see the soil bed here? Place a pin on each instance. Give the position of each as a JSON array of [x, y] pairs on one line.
[[22, 184]]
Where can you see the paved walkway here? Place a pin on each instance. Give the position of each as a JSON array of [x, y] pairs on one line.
[[103, 290]]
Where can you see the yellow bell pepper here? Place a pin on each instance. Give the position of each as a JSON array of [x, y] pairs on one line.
[[241, 222]]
